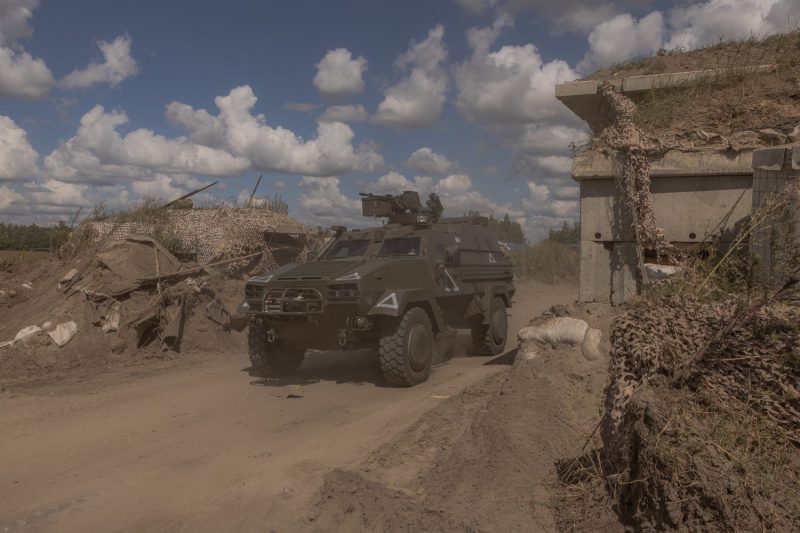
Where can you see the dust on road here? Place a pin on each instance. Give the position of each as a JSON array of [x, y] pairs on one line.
[[211, 447]]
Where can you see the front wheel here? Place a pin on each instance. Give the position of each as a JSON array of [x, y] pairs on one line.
[[406, 348], [490, 339], [280, 357]]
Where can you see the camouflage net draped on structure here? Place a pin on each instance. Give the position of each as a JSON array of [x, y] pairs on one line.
[[755, 362], [635, 147], [709, 442]]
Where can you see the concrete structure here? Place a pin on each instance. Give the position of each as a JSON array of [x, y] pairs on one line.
[[774, 169], [697, 195]]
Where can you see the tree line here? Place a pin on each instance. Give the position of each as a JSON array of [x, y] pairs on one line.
[[32, 237]]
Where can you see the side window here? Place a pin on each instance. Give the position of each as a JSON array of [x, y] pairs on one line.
[[440, 254]]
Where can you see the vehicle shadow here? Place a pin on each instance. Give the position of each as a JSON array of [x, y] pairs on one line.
[[361, 367], [507, 358], [358, 367]]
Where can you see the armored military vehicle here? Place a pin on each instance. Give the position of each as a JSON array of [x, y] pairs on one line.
[[394, 288]]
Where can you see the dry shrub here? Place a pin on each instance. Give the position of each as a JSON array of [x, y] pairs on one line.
[[548, 261]]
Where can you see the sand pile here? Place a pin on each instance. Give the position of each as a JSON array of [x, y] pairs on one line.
[[483, 460]]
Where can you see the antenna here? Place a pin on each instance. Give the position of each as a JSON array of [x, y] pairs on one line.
[[254, 190], [201, 189], [75, 217]]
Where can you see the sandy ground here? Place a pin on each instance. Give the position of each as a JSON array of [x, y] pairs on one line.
[[209, 447]]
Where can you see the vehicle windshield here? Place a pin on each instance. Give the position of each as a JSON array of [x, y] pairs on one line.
[[403, 246], [348, 249]]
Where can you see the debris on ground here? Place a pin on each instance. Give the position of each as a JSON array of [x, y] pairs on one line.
[[63, 333], [116, 297], [26, 332]]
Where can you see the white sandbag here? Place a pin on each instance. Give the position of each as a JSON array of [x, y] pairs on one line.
[[26, 332], [657, 272], [63, 333], [555, 331], [591, 344]]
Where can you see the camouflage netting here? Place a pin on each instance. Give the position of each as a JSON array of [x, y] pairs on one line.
[[635, 148], [704, 443], [757, 362], [209, 235]]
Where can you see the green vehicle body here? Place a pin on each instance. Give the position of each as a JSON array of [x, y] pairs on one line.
[[393, 288]]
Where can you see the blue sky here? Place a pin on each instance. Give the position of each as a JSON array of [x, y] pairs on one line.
[[103, 101]]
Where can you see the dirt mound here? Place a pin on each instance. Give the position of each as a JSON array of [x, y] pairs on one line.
[[483, 460], [734, 108], [348, 501], [731, 54], [703, 417], [125, 303]]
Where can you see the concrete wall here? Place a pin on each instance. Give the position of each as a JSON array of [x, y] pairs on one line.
[[773, 170], [696, 195]]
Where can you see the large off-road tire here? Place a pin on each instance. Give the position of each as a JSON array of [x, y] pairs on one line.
[[279, 358], [490, 339], [406, 348]]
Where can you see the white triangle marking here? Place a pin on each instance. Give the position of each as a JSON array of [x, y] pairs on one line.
[[390, 302]]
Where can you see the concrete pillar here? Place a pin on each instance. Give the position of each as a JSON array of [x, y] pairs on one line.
[[773, 169]]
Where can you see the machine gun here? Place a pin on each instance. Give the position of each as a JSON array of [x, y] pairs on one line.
[[404, 208]]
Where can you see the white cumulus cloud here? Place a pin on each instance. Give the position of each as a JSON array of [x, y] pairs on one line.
[[427, 161], [510, 85], [279, 149], [701, 24], [8, 196], [22, 75], [416, 101], [17, 156], [623, 37], [555, 163], [15, 18], [203, 128], [98, 151], [339, 74], [323, 203], [118, 65], [344, 113]]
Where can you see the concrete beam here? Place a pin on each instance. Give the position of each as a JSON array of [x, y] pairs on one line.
[[582, 99], [593, 164]]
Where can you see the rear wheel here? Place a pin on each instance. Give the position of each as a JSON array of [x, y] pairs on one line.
[[279, 358], [490, 339], [406, 348]]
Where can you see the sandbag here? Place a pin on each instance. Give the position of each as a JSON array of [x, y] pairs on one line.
[[555, 331], [26, 332], [590, 348]]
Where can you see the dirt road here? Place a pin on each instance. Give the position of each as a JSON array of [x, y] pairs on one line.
[[210, 447]]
